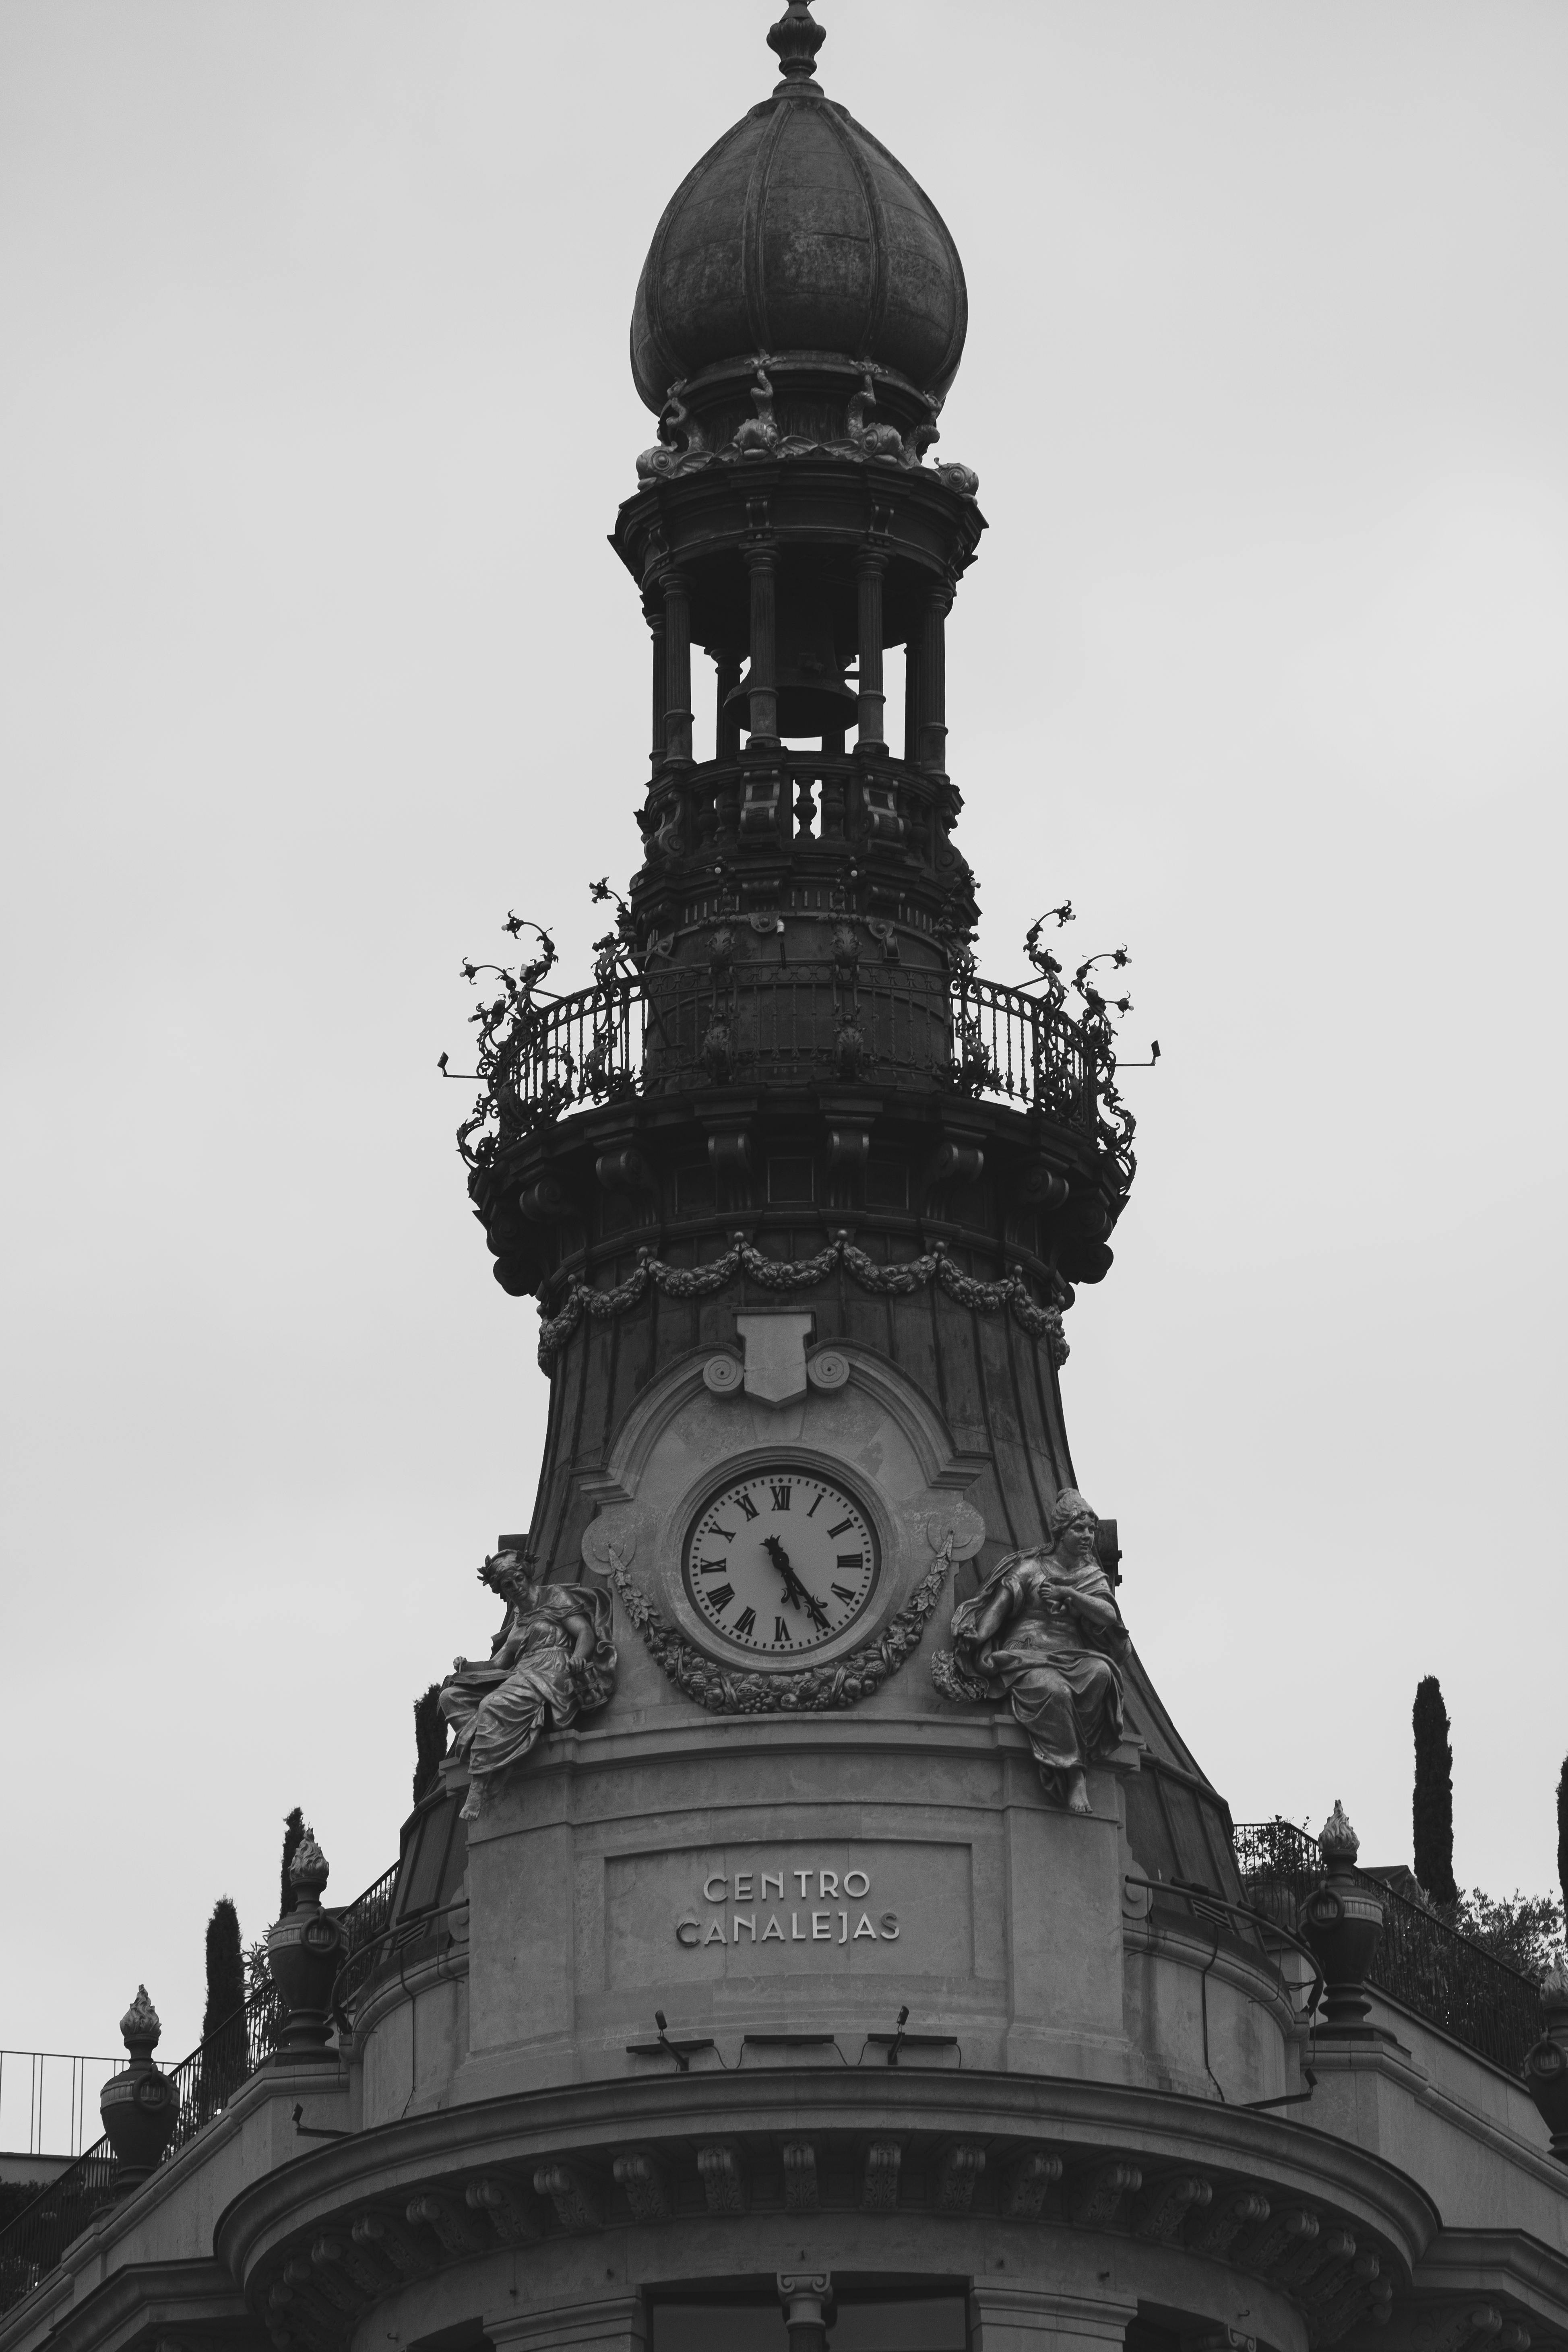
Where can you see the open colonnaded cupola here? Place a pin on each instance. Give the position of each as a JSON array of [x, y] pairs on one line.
[[817, 1929]]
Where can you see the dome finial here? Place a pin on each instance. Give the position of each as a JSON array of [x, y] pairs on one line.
[[796, 39]]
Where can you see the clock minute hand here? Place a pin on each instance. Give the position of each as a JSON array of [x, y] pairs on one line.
[[793, 1585], [779, 1557]]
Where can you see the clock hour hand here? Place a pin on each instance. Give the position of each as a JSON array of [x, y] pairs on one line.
[[793, 1585]]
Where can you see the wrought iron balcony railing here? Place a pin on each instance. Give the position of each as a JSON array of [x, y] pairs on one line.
[[32, 2243], [1427, 1967], [679, 1028]]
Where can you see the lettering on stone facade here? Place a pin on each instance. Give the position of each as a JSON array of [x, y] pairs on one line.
[[789, 1906]]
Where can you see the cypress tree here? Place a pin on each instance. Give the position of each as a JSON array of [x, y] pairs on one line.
[[1432, 1806], [293, 1839], [225, 1967], [429, 1741], [1563, 1835]]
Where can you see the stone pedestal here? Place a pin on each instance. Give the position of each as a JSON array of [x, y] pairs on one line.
[[304, 1952], [140, 2106]]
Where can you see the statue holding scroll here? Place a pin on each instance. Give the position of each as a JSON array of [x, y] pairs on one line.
[[1044, 1631]]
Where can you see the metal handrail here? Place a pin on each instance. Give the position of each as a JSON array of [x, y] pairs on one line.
[[32, 2242], [680, 1024], [1439, 1973]]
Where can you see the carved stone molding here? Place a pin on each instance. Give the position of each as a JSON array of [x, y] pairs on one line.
[[389, 2237], [723, 2182], [1281, 2235], [458, 2231], [345, 2247], [1098, 2192], [574, 2197], [1027, 2184], [367, 2276], [1164, 2206], [725, 1691], [512, 2221], [880, 2180], [1010, 1293], [803, 2190], [958, 2170], [642, 2181], [1238, 2209]]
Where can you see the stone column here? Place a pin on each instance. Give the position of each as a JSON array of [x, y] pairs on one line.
[[931, 749], [677, 597], [912, 698], [1020, 2319], [870, 567], [760, 563], [727, 722], [808, 2300], [611, 2323], [652, 611]]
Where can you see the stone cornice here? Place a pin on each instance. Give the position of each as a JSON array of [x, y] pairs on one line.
[[1400, 2068], [1496, 2262], [145, 2299], [1164, 2127], [119, 2221]]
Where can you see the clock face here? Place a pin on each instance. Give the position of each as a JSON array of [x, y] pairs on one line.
[[780, 1563]]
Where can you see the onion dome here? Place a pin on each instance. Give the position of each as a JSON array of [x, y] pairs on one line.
[[798, 233]]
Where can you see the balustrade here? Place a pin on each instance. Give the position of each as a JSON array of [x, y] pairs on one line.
[[789, 798], [757, 1022]]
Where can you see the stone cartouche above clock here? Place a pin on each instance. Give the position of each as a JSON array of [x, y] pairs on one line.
[[780, 1562]]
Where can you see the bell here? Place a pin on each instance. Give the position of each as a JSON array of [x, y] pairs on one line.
[[813, 698]]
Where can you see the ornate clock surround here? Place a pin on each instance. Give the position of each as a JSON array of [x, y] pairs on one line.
[[871, 1435], [792, 1462]]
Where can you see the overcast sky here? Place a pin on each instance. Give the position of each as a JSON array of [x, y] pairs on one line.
[[314, 413]]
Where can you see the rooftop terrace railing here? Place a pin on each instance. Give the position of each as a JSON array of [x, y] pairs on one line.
[[1446, 1978], [46, 2096], [32, 2242], [793, 1024]]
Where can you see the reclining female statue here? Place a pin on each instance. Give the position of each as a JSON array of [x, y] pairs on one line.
[[553, 1660]]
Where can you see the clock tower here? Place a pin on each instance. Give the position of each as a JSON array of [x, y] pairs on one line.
[[802, 1199], [816, 1933]]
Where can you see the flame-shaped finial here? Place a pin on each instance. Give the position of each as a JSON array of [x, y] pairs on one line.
[[140, 2022], [1554, 1983], [796, 40], [308, 1870], [1337, 1839]]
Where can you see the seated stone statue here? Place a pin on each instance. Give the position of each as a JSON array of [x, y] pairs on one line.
[[551, 1660], [1044, 1629]]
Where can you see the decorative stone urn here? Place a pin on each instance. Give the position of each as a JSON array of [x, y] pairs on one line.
[[304, 1953], [1341, 1921], [141, 2105], [1546, 2067]]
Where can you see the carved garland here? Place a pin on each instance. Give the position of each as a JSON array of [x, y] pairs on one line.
[[840, 1685], [782, 1274]]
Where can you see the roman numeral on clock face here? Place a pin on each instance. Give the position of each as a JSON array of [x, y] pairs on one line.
[[781, 1586]]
